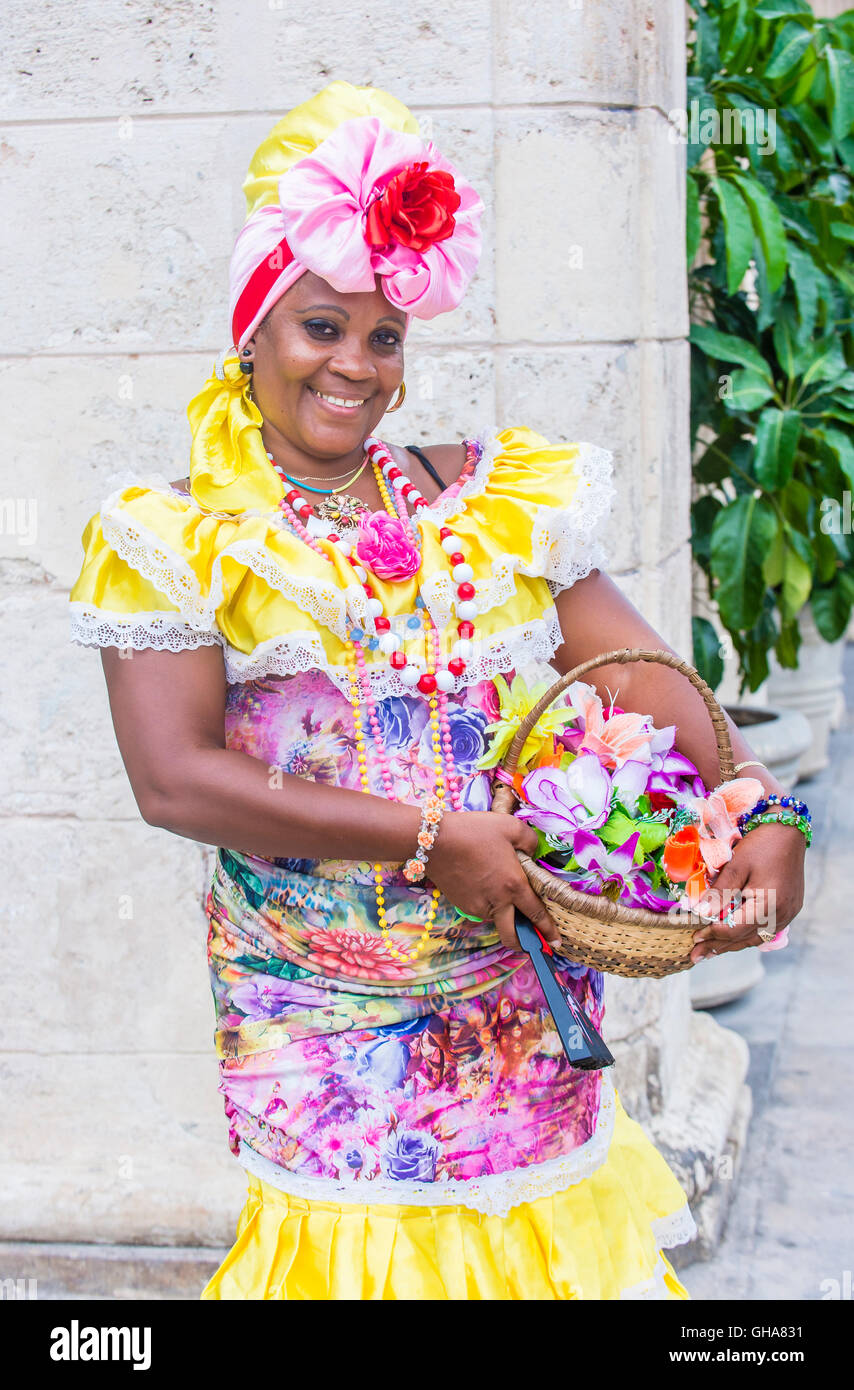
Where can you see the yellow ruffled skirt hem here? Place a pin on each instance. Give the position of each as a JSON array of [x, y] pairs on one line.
[[602, 1238]]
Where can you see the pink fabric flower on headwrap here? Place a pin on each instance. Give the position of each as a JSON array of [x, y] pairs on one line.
[[367, 201]]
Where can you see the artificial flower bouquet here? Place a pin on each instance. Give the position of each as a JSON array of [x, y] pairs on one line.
[[617, 810]]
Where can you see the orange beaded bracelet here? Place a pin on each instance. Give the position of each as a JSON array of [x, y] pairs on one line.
[[433, 808]]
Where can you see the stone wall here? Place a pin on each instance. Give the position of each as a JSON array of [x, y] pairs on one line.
[[126, 132]]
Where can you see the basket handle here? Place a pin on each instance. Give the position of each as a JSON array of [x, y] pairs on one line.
[[504, 795]]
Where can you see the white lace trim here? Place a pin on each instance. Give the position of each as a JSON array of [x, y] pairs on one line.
[[94, 627], [173, 576], [676, 1229], [564, 550], [294, 652], [513, 648], [493, 1195]]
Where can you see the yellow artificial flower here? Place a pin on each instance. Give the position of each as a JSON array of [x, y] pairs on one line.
[[515, 702]]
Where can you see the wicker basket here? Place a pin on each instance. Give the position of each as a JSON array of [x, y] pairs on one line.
[[596, 931]]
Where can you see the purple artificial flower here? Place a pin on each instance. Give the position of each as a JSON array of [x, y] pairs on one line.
[[564, 800], [671, 771], [601, 867]]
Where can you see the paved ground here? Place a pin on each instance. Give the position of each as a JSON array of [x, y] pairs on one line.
[[790, 1231]]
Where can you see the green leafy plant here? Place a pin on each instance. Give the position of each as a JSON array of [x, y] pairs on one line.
[[772, 385]]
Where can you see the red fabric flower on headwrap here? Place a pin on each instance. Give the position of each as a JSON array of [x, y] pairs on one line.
[[416, 209]]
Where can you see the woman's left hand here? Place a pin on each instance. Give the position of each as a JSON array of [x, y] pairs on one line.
[[764, 881]]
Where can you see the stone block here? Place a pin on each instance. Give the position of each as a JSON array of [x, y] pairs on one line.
[[50, 1271], [117, 1148], [595, 260], [180, 57], [651, 591], [106, 941], [694, 1127], [625, 398], [61, 758], [615, 55], [630, 1005]]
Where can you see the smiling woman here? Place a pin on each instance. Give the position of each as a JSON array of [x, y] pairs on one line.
[[310, 692]]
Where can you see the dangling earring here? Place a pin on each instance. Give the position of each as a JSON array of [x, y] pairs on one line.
[[401, 397], [247, 366]]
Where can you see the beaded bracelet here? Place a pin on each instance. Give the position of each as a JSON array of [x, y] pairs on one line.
[[431, 814], [766, 802], [782, 818]]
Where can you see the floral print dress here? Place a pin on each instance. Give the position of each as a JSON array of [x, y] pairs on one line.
[[341, 1065]]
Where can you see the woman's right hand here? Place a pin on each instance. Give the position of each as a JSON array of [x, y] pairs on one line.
[[474, 863]]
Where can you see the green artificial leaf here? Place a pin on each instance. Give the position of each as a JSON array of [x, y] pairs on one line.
[[741, 537], [707, 651], [768, 226], [826, 364], [806, 79], [703, 513], [652, 835], [794, 502], [706, 53], [713, 465], [738, 228], [816, 134], [747, 391], [825, 543], [839, 67], [734, 28], [617, 829], [726, 347], [831, 607], [777, 435]]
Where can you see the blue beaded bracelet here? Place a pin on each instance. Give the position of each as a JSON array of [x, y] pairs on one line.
[[765, 803]]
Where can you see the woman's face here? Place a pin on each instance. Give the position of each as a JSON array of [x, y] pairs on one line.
[[318, 342]]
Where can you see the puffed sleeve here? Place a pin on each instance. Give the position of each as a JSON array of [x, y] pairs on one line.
[[147, 553], [161, 571], [545, 506], [531, 522]]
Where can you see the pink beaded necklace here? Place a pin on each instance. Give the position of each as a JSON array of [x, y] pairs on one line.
[[435, 682]]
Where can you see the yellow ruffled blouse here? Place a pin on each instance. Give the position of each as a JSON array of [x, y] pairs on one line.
[[169, 570]]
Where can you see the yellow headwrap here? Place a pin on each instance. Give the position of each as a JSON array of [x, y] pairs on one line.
[[229, 469]]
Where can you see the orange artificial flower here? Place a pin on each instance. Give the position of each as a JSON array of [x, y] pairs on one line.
[[683, 861]]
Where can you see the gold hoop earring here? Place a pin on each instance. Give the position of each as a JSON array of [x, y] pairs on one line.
[[401, 397]]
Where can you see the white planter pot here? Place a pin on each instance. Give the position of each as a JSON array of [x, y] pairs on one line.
[[724, 978], [814, 688], [779, 738]]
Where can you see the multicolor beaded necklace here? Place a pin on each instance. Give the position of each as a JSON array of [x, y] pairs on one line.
[[435, 682]]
